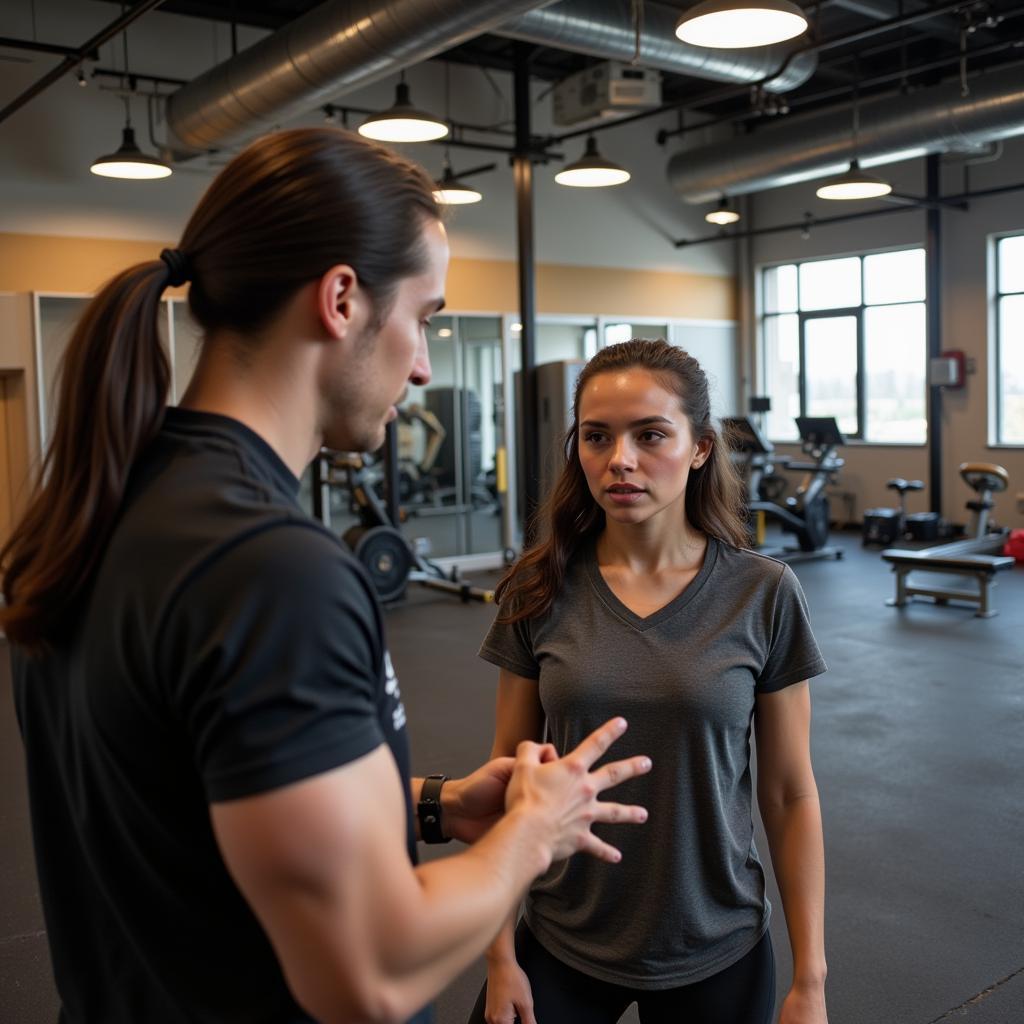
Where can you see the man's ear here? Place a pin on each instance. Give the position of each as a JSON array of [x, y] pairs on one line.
[[340, 301]]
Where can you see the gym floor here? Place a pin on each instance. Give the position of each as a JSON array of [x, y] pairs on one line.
[[919, 752]]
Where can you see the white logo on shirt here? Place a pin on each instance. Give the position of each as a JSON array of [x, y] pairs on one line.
[[392, 689]]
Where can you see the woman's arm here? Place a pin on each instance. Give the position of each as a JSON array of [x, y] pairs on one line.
[[788, 799]]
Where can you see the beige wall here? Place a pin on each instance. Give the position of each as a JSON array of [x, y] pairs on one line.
[[20, 401], [493, 286], [46, 263], [41, 263]]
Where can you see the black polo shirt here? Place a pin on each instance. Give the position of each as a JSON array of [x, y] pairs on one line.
[[229, 645]]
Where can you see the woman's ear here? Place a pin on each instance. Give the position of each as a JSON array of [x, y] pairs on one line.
[[701, 453]]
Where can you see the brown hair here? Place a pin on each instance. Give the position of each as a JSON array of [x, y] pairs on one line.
[[278, 216], [570, 516]]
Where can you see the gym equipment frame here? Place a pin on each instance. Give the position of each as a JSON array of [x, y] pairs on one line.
[[976, 559], [806, 515]]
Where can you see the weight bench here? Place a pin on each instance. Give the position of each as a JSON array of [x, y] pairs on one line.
[[981, 568]]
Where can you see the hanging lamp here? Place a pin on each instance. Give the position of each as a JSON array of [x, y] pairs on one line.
[[723, 213], [402, 122], [854, 184], [738, 24], [128, 161], [592, 170], [449, 191]]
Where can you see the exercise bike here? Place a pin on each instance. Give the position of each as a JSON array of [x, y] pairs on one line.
[[377, 543], [753, 455], [805, 514]]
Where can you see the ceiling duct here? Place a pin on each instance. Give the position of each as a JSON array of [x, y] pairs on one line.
[[336, 47], [344, 44], [891, 128], [604, 28]]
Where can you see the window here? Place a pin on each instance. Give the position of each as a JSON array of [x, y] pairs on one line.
[[1009, 369], [846, 338]]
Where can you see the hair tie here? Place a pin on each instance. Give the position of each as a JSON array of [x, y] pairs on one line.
[[178, 271]]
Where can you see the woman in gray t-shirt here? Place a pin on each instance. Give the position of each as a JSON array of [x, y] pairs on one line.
[[643, 600]]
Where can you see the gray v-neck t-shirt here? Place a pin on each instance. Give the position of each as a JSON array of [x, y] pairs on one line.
[[688, 898]]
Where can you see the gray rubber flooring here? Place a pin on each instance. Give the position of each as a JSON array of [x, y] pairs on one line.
[[919, 753]]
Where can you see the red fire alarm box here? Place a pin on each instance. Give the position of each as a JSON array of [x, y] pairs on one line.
[[948, 370]]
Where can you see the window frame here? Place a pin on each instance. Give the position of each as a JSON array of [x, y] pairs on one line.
[[996, 392], [855, 311]]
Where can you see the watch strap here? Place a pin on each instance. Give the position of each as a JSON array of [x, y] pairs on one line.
[[428, 810]]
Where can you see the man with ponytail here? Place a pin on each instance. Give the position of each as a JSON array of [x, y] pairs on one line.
[[642, 594], [224, 820]]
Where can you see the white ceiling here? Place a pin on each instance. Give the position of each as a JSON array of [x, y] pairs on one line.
[[47, 146]]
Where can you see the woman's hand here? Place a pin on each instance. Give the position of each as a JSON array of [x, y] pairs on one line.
[[472, 805], [509, 996], [804, 1005]]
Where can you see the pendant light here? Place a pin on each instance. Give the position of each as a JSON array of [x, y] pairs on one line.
[[592, 170], [723, 213], [737, 24], [854, 183], [402, 122], [449, 191], [128, 161]]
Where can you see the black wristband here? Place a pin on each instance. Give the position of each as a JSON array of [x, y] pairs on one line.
[[428, 810]]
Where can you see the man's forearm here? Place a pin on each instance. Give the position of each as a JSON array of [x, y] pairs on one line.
[[463, 901]]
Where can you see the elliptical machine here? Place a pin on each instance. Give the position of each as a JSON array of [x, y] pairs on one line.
[[806, 514]]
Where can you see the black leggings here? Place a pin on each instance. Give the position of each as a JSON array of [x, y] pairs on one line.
[[741, 994]]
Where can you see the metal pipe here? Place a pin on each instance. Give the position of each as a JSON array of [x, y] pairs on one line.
[[82, 53], [891, 129], [958, 200], [604, 28], [522, 173], [61, 51], [803, 225], [392, 485], [798, 101], [933, 294], [338, 46]]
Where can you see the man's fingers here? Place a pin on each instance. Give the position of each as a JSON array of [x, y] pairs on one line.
[[524, 1013], [598, 742], [620, 814], [609, 775], [600, 849]]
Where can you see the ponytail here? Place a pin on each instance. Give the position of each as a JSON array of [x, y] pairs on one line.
[[113, 383], [279, 215]]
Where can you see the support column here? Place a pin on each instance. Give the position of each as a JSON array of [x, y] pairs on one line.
[[933, 294], [391, 485], [522, 173]]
